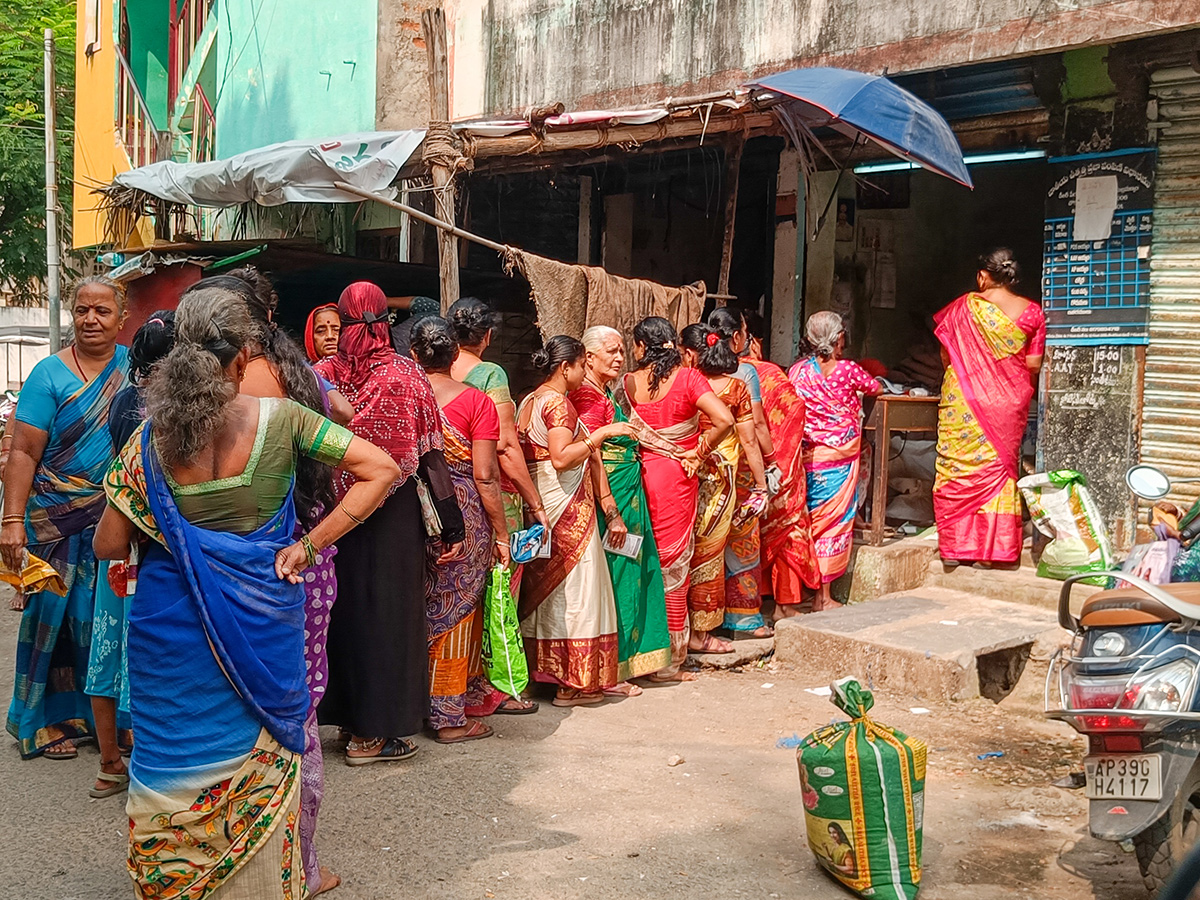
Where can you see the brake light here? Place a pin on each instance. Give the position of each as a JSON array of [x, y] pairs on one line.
[[1111, 723]]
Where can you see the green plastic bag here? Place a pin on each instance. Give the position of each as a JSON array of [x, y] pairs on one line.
[[503, 652], [863, 789]]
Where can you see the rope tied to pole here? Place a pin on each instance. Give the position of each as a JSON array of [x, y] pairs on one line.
[[441, 148]]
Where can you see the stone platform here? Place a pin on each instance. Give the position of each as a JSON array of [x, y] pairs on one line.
[[928, 642]]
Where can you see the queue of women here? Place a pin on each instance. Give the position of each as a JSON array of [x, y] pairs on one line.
[[232, 521]]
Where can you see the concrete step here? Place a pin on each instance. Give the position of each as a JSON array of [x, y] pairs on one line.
[[1017, 586], [929, 642]]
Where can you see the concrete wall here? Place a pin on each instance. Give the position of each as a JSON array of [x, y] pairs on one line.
[[270, 58], [509, 54], [786, 294], [401, 85]]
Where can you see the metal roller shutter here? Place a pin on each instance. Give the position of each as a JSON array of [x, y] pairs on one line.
[[1171, 396]]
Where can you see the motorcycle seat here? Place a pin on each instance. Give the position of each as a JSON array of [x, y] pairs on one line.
[[1132, 606]]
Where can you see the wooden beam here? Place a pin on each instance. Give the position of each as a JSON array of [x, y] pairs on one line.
[[433, 27], [443, 227], [733, 167], [692, 125]]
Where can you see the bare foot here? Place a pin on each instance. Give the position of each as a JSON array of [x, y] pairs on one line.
[[703, 642], [328, 882], [790, 611]]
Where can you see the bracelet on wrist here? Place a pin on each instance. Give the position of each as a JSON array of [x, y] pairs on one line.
[[588, 441], [310, 550]]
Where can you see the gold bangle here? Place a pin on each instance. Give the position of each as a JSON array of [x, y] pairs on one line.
[[353, 517], [310, 550], [588, 440]]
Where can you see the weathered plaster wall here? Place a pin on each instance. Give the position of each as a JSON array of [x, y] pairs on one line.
[[785, 294], [271, 56], [586, 53], [401, 85]]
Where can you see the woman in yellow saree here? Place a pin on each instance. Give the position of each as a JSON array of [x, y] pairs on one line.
[[992, 342]]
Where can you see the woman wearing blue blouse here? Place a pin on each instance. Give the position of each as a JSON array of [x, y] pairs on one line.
[[53, 498]]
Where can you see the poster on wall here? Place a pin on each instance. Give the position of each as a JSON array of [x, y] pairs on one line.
[[1096, 250]]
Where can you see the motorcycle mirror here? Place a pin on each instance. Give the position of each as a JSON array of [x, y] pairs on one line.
[[1148, 482]]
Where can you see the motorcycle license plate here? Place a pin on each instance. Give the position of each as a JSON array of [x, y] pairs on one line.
[[1132, 776]]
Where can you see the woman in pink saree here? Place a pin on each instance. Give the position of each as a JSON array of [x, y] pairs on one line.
[[992, 343]]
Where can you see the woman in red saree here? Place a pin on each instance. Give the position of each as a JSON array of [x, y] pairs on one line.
[[992, 342], [789, 558], [663, 401]]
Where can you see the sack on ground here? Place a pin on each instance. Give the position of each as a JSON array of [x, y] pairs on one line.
[[863, 789], [503, 652], [1062, 509]]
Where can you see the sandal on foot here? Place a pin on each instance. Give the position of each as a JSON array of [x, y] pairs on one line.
[[116, 784], [624, 689], [476, 731], [755, 635], [390, 749], [711, 644], [61, 750], [523, 707], [677, 678], [577, 698]]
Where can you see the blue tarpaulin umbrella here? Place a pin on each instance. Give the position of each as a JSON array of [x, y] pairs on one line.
[[859, 106]]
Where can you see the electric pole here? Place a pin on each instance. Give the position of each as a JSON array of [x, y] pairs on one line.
[[53, 266]]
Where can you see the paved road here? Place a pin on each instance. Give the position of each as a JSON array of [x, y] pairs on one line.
[[582, 804]]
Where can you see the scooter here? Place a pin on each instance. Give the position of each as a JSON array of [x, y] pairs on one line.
[[1128, 681]]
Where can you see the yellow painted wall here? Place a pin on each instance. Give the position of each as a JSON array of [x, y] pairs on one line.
[[99, 155]]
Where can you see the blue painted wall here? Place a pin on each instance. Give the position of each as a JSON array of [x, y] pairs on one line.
[[149, 33], [272, 56]]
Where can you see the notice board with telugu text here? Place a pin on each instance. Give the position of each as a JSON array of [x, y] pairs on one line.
[[1089, 409], [1096, 248]]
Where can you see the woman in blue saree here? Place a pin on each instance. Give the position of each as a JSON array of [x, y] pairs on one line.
[[53, 497], [214, 795]]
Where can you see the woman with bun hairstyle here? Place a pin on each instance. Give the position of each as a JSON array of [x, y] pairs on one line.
[[454, 590], [832, 390], [663, 399], [743, 594], [643, 640], [474, 323], [718, 505], [992, 341], [216, 629], [567, 608]]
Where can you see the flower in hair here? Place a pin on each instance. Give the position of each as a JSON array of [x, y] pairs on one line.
[[711, 339], [668, 345]]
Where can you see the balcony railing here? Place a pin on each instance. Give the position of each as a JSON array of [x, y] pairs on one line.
[[187, 23], [204, 136], [138, 134]]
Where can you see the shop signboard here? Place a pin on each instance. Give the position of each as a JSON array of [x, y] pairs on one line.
[[1096, 257]]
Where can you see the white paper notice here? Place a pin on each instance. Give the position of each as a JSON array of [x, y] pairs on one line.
[[1095, 203]]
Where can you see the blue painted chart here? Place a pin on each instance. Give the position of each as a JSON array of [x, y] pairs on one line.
[[1096, 250]]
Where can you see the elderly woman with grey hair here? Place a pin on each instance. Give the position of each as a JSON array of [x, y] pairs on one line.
[[643, 643], [832, 390]]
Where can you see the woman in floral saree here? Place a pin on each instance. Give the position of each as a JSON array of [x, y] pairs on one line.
[[831, 388], [214, 796], [992, 342]]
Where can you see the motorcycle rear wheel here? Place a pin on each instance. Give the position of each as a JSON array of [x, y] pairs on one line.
[[1163, 846]]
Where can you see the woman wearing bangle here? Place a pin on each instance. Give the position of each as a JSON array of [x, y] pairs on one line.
[[220, 608], [743, 596], [643, 641], [454, 591], [664, 399], [569, 618]]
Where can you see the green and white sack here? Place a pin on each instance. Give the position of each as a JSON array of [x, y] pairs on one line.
[[1062, 509], [863, 789]]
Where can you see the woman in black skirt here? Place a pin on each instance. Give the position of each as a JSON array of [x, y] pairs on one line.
[[378, 648]]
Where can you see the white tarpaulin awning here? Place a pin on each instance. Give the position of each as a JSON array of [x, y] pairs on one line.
[[291, 172]]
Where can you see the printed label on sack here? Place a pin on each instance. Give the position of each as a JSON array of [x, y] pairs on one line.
[[832, 790], [823, 771]]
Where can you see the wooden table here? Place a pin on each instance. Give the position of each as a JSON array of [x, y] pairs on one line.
[[893, 413]]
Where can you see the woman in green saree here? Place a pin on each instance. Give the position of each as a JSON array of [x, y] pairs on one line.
[[644, 644]]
